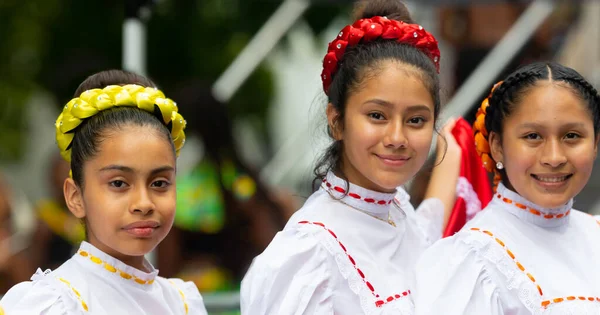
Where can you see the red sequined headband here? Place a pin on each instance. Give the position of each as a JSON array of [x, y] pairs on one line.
[[370, 29]]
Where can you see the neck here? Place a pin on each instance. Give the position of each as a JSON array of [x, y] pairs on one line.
[[358, 197], [136, 262], [354, 176], [530, 212]]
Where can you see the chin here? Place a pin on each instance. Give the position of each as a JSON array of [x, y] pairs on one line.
[[556, 201], [389, 182], [139, 248]]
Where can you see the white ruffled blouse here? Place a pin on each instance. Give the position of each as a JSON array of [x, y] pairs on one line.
[[92, 282], [335, 257], [514, 258]]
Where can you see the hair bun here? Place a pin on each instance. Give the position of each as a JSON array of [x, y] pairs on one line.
[[392, 9]]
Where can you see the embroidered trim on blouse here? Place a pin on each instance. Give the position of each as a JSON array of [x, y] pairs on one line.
[[512, 256], [77, 294], [378, 302], [544, 303], [183, 299], [533, 211], [113, 269], [366, 199], [516, 281], [570, 298]]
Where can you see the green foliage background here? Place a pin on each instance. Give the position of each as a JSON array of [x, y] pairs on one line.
[[55, 44]]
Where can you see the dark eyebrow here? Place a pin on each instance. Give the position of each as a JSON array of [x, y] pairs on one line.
[[533, 125], [161, 169], [412, 108], [379, 102], [415, 108], [127, 169], [113, 167]]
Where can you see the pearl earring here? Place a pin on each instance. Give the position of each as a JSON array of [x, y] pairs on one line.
[[499, 165]]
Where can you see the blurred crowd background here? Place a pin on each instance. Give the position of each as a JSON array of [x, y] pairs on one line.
[[245, 74]]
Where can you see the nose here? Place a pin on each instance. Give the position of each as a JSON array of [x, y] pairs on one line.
[[553, 154], [141, 202], [394, 135]]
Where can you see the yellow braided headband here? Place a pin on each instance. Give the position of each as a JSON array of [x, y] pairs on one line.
[[91, 102]]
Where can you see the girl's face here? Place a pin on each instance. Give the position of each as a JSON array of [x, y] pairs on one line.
[[128, 198], [548, 145], [387, 129]]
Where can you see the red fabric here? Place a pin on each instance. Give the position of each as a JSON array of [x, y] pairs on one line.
[[471, 170]]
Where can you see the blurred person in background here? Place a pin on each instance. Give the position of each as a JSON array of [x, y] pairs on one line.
[[14, 265], [58, 233], [225, 215], [474, 29]]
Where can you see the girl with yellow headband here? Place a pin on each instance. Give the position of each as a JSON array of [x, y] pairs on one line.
[[528, 251], [121, 136]]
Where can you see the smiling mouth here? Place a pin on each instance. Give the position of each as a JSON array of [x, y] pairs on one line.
[[394, 161], [551, 179]]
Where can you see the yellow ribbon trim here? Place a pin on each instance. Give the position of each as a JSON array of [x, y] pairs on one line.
[[183, 299], [91, 102], [68, 284]]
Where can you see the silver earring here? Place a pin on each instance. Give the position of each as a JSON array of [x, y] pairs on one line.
[[499, 165]]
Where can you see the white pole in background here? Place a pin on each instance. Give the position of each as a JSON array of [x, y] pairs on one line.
[[134, 35], [259, 47]]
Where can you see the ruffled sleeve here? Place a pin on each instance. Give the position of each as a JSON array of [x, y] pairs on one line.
[[453, 279], [193, 302], [45, 295], [292, 276], [430, 218]]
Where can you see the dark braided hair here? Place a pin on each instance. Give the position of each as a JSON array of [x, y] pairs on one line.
[[517, 84]]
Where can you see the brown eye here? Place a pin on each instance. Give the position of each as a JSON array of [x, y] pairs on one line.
[[416, 121], [117, 183], [533, 136], [160, 184], [571, 135], [376, 116]]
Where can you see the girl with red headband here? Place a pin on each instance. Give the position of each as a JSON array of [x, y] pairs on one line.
[[352, 247], [528, 251]]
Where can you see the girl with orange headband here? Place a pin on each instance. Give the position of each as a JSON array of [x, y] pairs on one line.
[[528, 251], [352, 247], [121, 136]]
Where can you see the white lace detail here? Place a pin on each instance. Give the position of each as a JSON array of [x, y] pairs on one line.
[[69, 301], [465, 190], [516, 281], [402, 306]]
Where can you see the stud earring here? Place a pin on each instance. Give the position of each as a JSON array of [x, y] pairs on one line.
[[499, 165]]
